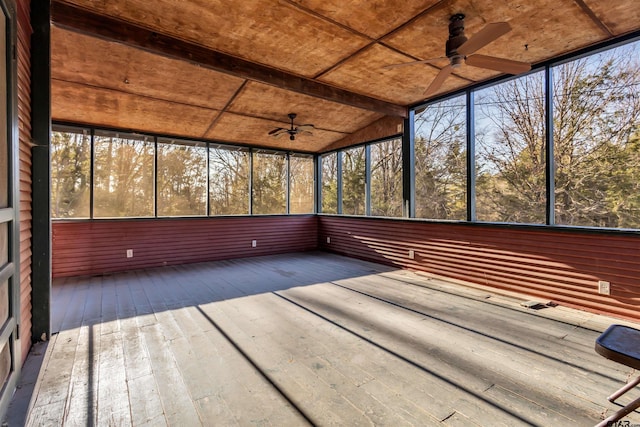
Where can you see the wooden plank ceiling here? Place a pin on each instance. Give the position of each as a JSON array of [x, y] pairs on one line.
[[231, 71]]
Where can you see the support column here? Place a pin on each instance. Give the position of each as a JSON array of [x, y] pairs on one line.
[[40, 172]]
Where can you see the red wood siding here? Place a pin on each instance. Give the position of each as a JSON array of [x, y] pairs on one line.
[[96, 247], [24, 130], [562, 266]]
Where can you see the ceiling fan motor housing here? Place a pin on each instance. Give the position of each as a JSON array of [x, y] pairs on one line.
[[456, 39]]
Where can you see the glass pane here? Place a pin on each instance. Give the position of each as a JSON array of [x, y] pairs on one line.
[[228, 181], [181, 179], [4, 244], [330, 183], [596, 119], [123, 176], [269, 183], [5, 363], [510, 151], [301, 184], [70, 173], [4, 302], [441, 160], [386, 178], [353, 181]]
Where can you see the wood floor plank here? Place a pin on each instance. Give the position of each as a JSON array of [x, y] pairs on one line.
[[144, 400], [314, 338], [178, 406], [83, 395], [113, 393]]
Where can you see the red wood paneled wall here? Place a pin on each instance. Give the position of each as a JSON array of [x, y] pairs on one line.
[[548, 264], [96, 247], [24, 135]]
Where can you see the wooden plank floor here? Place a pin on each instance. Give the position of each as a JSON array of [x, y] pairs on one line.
[[314, 338]]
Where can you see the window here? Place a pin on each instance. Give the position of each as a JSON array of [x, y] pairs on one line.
[[269, 181], [123, 182], [330, 183], [301, 184], [440, 160], [510, 151], [70, 173], [228, 181], [386, 178], [596, 116], [181, 178], [353, 181]]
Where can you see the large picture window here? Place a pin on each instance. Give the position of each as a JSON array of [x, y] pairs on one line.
[[330, 183], [440, 160], [353, 181], [269, 182], [107, 174], [386, 178], [301, 183], [596, 116], [510, 151], [123, 181], [182, 178], [228, 180], [70, 173]]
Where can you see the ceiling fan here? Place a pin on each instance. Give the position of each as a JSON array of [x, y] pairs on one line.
[[293, 130], [459, 49]]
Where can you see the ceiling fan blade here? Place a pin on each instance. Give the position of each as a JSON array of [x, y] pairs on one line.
[[437, 82], [305, 128], [483, 37], [278, 132], [424, 61], [498, 64]]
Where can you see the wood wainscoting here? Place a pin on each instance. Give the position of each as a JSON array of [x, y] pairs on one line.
[[95, 247], [563, 266]]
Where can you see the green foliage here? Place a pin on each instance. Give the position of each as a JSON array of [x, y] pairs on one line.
[[353, 181], [596, 119], [330, 183]]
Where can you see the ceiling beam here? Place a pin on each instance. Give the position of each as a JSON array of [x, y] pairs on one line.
[[93, 24]]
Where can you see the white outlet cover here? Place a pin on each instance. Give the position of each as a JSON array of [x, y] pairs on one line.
[[129, 253], [604, 288]]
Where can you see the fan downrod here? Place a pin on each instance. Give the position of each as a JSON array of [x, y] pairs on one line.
[[456, 39]]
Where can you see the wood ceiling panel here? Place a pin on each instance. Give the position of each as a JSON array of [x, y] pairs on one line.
[[247, 130], [264, 31], [374, 18], [541, 30], [620, 16], [77, 103], [405, 85], [269, 102], [82, 59]]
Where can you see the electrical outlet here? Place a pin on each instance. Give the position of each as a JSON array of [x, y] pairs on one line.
[[604, 288], [129, 253], [412, 254], [254, 243], [328, 239]]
